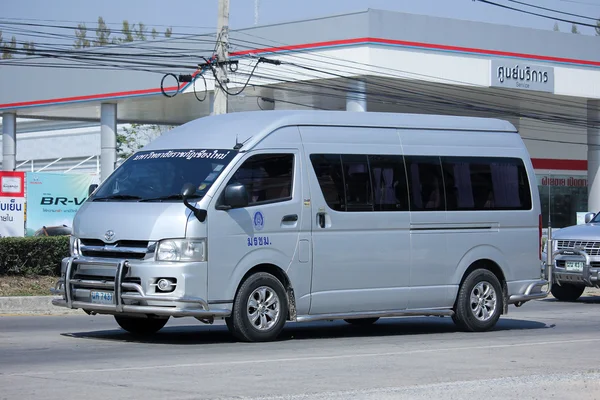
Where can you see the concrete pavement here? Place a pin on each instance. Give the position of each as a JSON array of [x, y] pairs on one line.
[[542, 350]]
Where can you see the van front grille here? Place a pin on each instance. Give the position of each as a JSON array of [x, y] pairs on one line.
[[131, 249]]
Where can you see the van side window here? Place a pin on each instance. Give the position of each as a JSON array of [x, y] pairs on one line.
[[267, 177], [328, 168], [388, 175], [425, 182], [352, 182], [359, 192], [474, 183]]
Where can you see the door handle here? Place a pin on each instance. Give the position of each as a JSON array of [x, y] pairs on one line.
[[321, 219], [290, 218]]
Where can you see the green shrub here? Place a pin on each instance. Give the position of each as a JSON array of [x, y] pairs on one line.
[[33, 255]]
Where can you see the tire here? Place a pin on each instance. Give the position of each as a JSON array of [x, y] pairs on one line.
[[567, 291], [482, 315], [271, 312], [141, 326], [362, 321]]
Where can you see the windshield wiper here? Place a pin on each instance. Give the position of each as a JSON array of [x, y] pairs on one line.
[[169, 197], [118, 197]]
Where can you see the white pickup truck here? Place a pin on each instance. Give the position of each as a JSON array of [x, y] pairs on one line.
[[576, 252]]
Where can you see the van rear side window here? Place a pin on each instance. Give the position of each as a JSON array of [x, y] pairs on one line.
[[478, 183], [432, 183]]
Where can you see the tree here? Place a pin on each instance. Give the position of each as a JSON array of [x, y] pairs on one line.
[[8, 49], [102, 33], [140, 33], [29, 48], [135, 136], [574, 29], [556, 28], [127, 32], [154, 33], [81, 35], [168, 32]]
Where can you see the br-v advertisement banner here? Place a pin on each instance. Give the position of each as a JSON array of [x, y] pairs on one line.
[[52, 201], [12, 203]]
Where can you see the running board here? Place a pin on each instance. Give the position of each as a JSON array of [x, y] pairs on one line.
[[376, 314]]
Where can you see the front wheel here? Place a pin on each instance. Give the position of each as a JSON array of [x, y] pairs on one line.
[[260, 309], [141, 326], [479, 302], [567, 291]]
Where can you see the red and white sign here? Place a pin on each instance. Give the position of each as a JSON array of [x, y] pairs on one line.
[[12, 184], [12, 204]]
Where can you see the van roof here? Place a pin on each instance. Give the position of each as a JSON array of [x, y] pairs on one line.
[[250, 127]]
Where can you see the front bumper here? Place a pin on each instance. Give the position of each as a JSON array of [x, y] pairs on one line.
[[589, 276], [125, 297]]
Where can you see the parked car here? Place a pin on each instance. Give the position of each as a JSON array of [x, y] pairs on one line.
[[60, 230], [577, 265]]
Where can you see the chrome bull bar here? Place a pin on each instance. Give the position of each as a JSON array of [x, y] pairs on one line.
[[202, 311]]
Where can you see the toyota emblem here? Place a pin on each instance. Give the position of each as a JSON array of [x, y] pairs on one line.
[[109, 235]]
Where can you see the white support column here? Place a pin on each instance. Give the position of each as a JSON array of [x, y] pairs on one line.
[[593, 155], [108, 139], [356, 99], [9, 141]]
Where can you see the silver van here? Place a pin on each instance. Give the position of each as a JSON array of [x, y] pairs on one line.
[[265, 217]]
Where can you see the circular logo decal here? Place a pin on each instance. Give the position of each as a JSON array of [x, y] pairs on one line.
[[259, 221]]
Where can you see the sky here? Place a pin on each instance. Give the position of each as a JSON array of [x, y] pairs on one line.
[[200, 16]]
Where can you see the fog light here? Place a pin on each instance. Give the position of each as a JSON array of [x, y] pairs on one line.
[[165, 285]]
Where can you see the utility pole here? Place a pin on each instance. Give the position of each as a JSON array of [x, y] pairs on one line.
[[256, 10], [220, 102]]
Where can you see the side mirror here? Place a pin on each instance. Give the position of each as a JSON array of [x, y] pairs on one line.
[[91, 189], [589, 217], [187, 191], [235, 196]]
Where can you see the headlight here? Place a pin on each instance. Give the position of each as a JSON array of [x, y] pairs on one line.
[[74, 246], [181, 250]]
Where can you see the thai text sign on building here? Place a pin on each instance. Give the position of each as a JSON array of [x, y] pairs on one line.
[[514, 75]]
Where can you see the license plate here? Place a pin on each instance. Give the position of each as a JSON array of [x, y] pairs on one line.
[[102, 297], [574, 266]]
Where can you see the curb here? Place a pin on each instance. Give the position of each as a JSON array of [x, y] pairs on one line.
[[37, 305]]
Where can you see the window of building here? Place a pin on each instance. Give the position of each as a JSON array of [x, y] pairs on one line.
[[563, 197], [268, 177]]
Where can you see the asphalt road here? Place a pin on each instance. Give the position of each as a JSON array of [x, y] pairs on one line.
[[543, 350]]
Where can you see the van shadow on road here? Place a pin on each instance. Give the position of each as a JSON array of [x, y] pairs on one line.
[[214, 334]]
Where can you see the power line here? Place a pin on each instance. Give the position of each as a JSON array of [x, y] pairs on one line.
[[536, 14], [552, 10]]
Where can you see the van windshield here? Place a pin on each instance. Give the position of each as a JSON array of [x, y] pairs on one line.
[[159, 175]]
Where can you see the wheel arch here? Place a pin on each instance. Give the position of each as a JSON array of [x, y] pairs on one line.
[[494, 268], [281, 276]]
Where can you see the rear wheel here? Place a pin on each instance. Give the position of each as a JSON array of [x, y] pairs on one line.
[[567, 291], [479, 302], [141, 326], [260, 309], [362, 321]]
